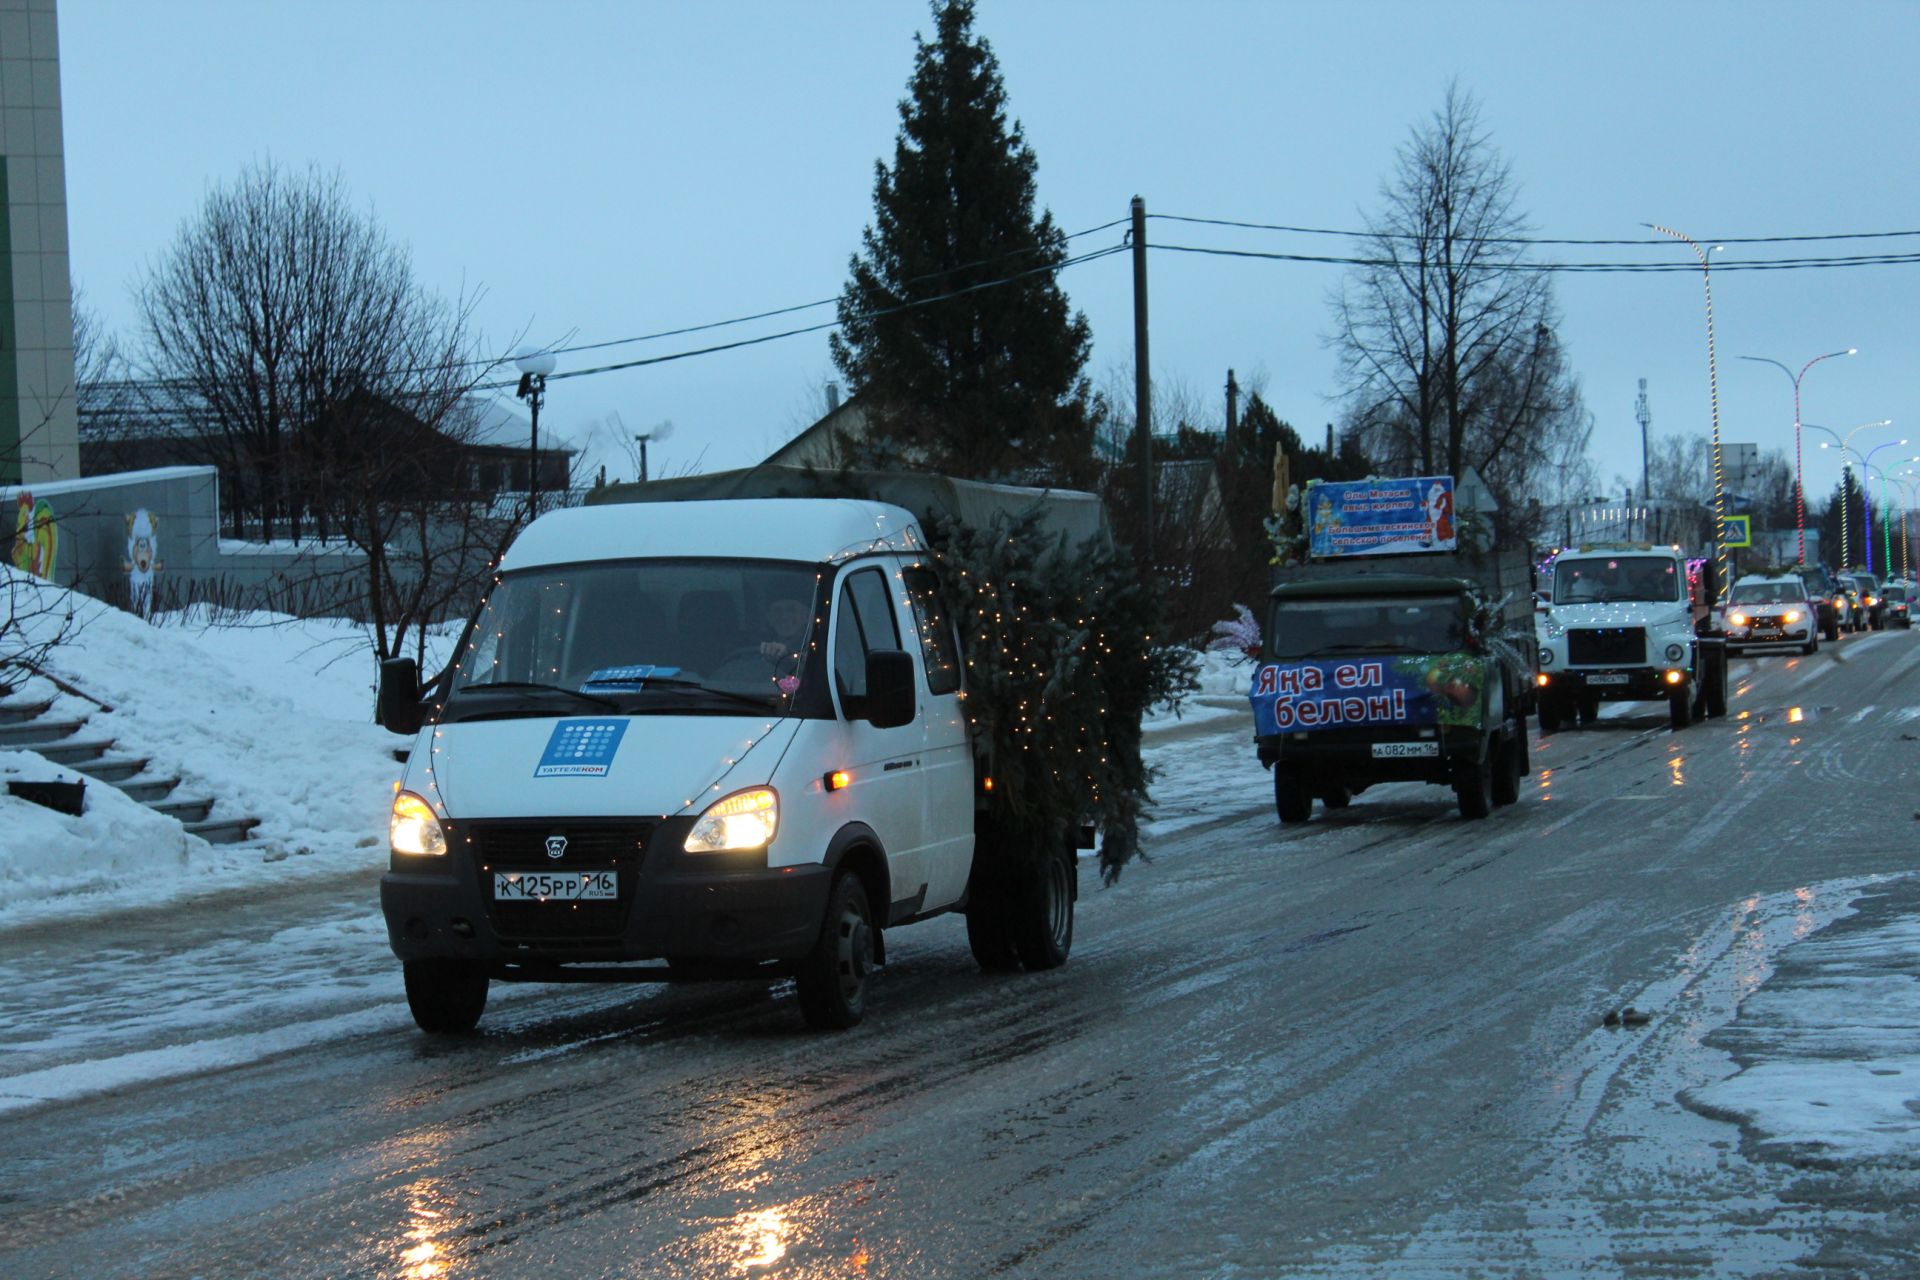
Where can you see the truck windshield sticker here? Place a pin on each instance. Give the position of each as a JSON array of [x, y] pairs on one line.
[[623, 677], [1293, 697], [1381, 517], [580, 749]]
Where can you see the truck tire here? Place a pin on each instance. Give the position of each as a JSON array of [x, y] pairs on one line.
[[1290, 796], [1511, 763], [1337, 798], [1550, 714], [987, 934], [1589, 709], [1473, 786], [1832, 630], [1717, 686], [1043, 914], [832, 980], [1680, 708], [446, 997]]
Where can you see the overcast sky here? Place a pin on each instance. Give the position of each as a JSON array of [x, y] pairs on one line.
[[602, 170]]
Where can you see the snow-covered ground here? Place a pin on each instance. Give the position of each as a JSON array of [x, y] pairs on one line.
[[272, 716]]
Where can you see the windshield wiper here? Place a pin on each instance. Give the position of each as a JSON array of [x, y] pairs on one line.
[[528, 686], [681, 682]]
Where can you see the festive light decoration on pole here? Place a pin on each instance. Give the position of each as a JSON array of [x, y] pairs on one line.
[[1799, 492], [1713, 393], [1849, 453]]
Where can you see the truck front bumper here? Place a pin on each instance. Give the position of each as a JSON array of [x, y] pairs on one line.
[[715, 907], [1337, 757], [1623, 684]]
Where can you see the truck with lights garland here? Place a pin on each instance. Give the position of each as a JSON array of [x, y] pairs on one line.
[[700, 729], [1394, 649], [1630, 622]]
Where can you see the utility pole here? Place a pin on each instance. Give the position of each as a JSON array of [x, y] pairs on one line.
[[1142, 380], [1645, 416], [1233, 404]]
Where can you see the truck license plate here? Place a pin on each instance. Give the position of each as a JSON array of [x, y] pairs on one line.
[[1611, 677], [1398, 750], [567, 886]]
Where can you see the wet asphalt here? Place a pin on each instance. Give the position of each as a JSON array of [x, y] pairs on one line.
[[1372, 1046]]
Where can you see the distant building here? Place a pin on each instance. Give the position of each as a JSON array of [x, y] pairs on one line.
[[39, 440]]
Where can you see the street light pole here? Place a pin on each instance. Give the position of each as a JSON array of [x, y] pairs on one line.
[[534, 366], [1799, 493], [1846, 497], [1713, 394]]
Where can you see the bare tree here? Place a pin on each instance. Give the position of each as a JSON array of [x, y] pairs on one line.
[[334, 393], [1445, 336]]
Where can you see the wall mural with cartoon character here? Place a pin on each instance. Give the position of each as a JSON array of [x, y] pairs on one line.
[[142, 562], [35, 536]]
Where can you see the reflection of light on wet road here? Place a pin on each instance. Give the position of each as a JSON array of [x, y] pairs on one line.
[[763, 1238], [1546, 784], [1804, 922], [1795, 715], [1677, 764], [427, 1217]]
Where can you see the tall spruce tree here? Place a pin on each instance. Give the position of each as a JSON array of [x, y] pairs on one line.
[[988, 382]]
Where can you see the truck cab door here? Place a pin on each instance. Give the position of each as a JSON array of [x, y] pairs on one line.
[[946, 758], [885, 768]]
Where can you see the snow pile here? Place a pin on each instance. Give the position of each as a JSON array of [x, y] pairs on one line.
[[269, 716], [1831, 1050]]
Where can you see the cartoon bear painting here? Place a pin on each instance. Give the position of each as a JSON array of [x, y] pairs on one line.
[[143, 560]]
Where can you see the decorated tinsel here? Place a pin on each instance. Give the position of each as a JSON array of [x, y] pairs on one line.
[[1064, 656]]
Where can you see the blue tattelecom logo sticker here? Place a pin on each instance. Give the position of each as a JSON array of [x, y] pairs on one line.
[[628, 675], [581, 749]]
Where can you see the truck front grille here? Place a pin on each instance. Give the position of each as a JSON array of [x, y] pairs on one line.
[[522, 846], [1607, 646]]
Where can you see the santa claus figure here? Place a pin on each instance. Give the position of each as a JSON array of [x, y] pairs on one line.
[[1439, 509]]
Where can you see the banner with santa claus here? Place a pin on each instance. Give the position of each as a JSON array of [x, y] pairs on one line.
[[1381, 517]]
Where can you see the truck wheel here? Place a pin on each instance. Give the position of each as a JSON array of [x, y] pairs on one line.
[[832, 980], [1550, 714], [987, 935], [446, 996], [1589, 710], [1506, 771], [1832, 630], [1680, 708], [1290, 796], [1043, 925], [1717, 687], [1338, 798], [1474, 786]]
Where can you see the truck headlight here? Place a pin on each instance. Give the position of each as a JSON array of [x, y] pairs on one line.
[[1546, 657], [413, 828], [1676, 652], [1737, 619], [743, 820]]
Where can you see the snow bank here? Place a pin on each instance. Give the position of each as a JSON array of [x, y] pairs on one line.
[[268, 715]]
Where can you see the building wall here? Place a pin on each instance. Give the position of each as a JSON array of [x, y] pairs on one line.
[[39, 439]]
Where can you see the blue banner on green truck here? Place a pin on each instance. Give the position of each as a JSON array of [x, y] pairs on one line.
[[1381, 517], [1413, 691]]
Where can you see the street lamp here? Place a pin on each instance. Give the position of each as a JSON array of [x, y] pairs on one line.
[[1846, 499], [1886, 513], [1799, 495], [1713, 394], [534, 366], [1908, 481]]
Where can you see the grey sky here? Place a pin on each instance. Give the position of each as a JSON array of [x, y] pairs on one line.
[[609, 169]]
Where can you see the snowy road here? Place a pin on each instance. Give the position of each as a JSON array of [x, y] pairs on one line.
[[1371, 1046]]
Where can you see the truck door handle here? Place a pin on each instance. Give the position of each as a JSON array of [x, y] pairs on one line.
[[891, 765]]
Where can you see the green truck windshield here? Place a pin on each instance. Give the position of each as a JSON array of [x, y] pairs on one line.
[[1404, 624]]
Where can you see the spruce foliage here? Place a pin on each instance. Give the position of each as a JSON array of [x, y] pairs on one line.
[[988, 384]]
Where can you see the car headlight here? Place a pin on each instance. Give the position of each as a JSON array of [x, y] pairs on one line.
[[1737, 619], [1675, 652], [413, 828], [1872, 601], [1793, 615], [1546, 657], [1839, 601], [743, 820]]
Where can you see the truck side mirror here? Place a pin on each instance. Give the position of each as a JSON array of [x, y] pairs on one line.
[[398, 708], [889, 701]]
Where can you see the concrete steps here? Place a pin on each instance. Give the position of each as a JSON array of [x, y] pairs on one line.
[[29, 725]]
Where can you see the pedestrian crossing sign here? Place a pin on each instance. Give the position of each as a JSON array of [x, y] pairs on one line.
[[1739, 532]]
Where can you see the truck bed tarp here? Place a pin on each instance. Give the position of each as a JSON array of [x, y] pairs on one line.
[[971, 503]]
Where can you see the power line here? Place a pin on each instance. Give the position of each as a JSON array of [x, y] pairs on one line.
[[1598, 268], [1528, 240]]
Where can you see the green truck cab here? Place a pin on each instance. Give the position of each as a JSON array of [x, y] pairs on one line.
[[1394, 676]]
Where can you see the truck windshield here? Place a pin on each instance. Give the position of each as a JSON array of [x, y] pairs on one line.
[[705, 636], [1600, 581], [1307, 628]]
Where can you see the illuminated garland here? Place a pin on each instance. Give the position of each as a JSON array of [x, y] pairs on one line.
[[1062, 663]]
